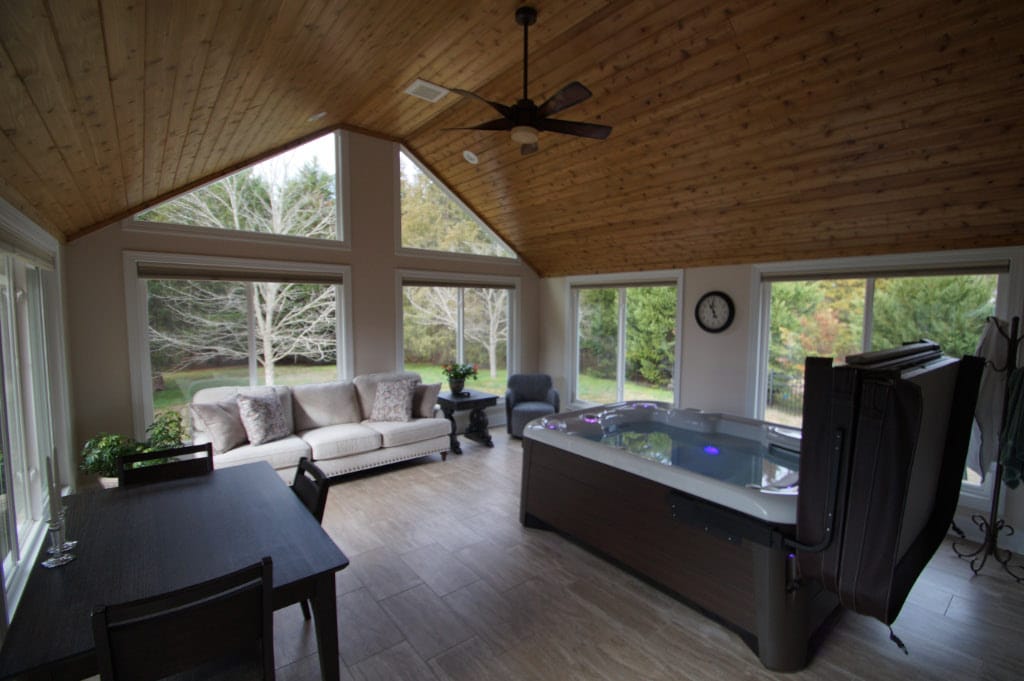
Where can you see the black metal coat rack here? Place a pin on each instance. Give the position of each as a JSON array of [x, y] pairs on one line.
[[992, 526]]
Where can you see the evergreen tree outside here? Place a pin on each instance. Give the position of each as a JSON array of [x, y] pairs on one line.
[[825, 318], [949, 310], [432, 221], [651, 335], [649, 353]]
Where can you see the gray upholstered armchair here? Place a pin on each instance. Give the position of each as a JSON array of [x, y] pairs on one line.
[[528, 396]]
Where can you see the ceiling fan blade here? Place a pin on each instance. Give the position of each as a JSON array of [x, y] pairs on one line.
[[570, 95], [528, 148], [505, 111], [497, 124], [592, 130]]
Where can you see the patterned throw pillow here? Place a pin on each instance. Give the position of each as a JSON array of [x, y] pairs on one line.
[[263, 418], [221, 423], [424, 398], [393, 401]]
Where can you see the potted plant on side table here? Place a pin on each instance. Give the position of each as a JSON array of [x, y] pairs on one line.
[[457, 374], [100, 453]]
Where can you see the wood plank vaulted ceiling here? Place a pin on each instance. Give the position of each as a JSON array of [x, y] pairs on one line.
[[744, 131]]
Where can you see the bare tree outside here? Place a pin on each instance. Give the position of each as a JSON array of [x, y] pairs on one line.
[[431, 321], [197, 325]]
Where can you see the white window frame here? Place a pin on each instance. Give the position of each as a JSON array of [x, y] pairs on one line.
[[343, 215], [513, 285], [28, 242], [440, 255], [619, 281], [136, 304], [1009, 302]]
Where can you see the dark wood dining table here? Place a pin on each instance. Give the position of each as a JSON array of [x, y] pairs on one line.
[[141, 541]]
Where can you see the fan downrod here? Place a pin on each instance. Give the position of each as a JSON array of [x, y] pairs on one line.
[[526, 16]]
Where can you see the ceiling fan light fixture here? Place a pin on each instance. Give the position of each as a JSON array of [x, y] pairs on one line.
[[525, 134]]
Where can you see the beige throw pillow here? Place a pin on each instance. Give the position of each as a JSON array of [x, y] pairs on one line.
[[221, 423], [393, 401], [263, 417], [424, 398]]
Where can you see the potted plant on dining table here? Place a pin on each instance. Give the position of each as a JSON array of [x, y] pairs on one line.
[[457, 373]]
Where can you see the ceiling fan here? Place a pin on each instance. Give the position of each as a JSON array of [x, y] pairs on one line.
[[525, 119]]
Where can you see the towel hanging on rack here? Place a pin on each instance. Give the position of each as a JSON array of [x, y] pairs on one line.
[[1011, 455], [988, 413]]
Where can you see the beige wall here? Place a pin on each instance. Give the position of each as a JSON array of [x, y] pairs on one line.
[[97, 324], [716, 366]]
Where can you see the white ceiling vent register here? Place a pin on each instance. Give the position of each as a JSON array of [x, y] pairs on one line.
[[426, 90]]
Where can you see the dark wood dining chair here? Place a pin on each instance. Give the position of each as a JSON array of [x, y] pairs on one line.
[[310, 486], [211, 630], [182, 464]]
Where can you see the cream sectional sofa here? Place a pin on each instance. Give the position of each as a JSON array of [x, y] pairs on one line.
[[328, 422]]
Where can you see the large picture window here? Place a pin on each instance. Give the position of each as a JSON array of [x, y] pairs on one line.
[[625, 343], [292, 194], [839, 317], [202, 322], [207, 333], [462, 323]]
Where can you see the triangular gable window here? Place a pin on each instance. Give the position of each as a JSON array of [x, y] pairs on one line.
[[434, 220], [291, 194]]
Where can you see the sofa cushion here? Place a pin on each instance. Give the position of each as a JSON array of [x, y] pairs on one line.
[[366, 387], [396, 433], [424, 397], [230, 393], [284, 394], [283, 453], [324, 404], [220, 422], [263, 418], [392, 401], [343, 439]]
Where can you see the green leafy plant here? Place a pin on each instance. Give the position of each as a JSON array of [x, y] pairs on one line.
[[100, 453], [458, 371], [166, 432]]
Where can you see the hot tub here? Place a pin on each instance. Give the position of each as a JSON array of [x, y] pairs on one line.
[[697, 503], [746, 465]]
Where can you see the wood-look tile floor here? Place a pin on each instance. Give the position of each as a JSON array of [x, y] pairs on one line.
[[445, 583]]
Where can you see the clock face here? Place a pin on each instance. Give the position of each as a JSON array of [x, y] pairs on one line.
[[715, 311]]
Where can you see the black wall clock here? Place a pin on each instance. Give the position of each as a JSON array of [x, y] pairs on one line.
[[715, 311]]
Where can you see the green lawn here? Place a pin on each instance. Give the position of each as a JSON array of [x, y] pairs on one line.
[[180, 386], [602, 391]]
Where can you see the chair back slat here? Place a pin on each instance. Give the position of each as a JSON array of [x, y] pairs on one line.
[[129, 474], [226, 618], [311, 486]]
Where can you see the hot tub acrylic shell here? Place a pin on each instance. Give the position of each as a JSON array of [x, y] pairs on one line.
[[570, 431]]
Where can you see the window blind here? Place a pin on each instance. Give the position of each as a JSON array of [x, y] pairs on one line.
[[219, 272]]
